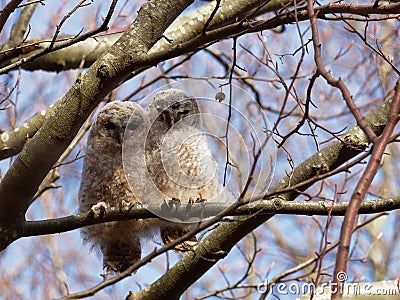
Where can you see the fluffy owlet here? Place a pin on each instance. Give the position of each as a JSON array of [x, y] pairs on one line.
[[179, 159], [173, 153], [104, 182]]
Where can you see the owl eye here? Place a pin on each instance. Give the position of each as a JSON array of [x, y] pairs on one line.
[[175, 106], [184, 112], [133, 126], [110, 126]]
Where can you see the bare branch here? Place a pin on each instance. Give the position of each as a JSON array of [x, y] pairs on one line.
[[12, 141], [61, 45], [206, 210]]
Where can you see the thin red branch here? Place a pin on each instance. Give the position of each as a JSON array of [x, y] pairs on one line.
[[361, 190]]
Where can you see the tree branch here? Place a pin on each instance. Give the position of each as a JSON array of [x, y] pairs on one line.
[[337, 83], [274, 206], [52, 47], [181, 32], [7, 11], [18, 30], [12, 141], [361, 190]]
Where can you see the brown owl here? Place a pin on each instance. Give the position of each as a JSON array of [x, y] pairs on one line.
[[104, 183], [179, 159], [172, 154]]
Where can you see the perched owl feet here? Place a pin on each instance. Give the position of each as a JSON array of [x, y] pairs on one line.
[[127, 205], [107, 274], [198, 200], [189, 210], [99, 209], [170, 203]]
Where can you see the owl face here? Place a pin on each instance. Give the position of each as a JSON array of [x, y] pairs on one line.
[[171, 106], [176, 112], [112, 121]]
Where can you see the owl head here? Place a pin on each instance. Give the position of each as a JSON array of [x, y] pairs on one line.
[[114, 120], [171, 106]]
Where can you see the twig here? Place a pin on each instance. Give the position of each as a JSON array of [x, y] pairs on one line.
[[311, 261], [337, 83]]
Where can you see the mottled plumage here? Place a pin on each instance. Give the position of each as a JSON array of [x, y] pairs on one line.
[[104, 183], [161, 153], [181, 166]]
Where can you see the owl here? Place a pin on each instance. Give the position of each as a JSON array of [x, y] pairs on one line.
[[181, 165], [104, 182]]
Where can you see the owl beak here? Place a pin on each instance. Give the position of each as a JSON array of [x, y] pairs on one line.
[[173, 118], [121, 137], [168, 116]]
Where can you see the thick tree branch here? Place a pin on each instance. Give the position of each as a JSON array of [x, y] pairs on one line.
[[182, 32], [274, 206], [19, 29], [7, 11], [192, 24], [12, 141], [79, 55]]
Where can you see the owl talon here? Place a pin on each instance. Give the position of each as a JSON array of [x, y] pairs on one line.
[[191, 203], [189, 206], [126, 206], [99, 209], [200, 200], [170, 203], [106, 274]]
